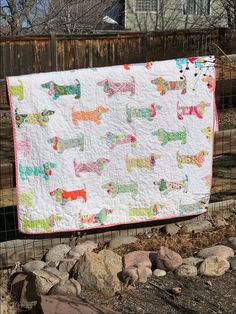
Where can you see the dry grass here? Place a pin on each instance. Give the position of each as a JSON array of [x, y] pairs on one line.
[[186, 244], [7, 305], [227, 119]]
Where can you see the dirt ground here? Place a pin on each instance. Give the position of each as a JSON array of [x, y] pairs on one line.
[[200, 295]]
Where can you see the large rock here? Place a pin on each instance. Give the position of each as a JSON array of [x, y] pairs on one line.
[[29, 297], [214, 266], [192, 261], [111, 257], [33, 265], [66, 265], [63, 276], [167, 259], [137, 257], [80, 249], [232, 243], [69, 287], [218, 250], [186, 271], [55, 304], [44, 281], [118, 241], [57, 253], [17, 285], [99, 272], [197, 226]]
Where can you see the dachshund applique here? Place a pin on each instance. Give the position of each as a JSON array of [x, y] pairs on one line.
[[164, 86], [111, 88], [93, 116], [62, 196], [56, 91]]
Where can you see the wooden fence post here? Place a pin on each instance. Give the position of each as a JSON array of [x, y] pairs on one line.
[[53, 52]]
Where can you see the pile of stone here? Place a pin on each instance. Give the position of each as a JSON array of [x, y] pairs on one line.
[[66, 271]]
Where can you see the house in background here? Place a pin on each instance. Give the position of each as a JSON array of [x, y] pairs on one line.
[[151, 15]]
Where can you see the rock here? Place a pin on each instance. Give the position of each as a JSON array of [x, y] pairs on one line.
[[28, 297], [33, 265], [96, 272], [130, 275], [66, 265], [214, 266], [17, 285], [168, 259], [143, 273], [197, 226], [186, 271], [118, 241], [192, 261], [44, 281], [57, 253], [63, 276], [217, 250], [172, 229], [159, 273], [49, 304], [80, 249], [136, 257], [232, 243], [134, 274], [233, 263], [69, 287], [176, 290], [110, 257]]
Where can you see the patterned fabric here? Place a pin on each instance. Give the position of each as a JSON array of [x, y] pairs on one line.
[[115, 145]]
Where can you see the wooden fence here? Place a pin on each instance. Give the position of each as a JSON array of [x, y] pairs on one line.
[[32, 54]]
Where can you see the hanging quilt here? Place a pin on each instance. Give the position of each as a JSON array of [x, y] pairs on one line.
[[116, 145]]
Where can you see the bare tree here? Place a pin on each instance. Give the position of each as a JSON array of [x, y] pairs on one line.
[[230, 7], [15, 12], [45, 16], [74, 16]]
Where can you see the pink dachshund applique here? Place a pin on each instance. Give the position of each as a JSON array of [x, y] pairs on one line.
[[94, 166], [111, 88], [24, 146], [194, 110]]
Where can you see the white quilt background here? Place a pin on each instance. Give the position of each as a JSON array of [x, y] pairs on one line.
[[38, 211]]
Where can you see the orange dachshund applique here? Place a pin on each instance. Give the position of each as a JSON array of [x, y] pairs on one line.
[[94, 115], [62, 196]]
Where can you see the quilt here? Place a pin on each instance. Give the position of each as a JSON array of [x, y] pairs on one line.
[[108, 146]]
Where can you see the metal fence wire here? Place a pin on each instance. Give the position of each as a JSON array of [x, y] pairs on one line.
[[15, 245]]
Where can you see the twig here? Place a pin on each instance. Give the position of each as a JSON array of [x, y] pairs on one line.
[[163, 290], [223, 52]]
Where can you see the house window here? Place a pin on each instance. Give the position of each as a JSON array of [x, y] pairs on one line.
[[196, 7], [146, 5]]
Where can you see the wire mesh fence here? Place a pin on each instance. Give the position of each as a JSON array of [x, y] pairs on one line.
[[224, 167]]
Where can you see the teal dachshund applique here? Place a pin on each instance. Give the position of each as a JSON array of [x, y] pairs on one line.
[[56, 90]]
